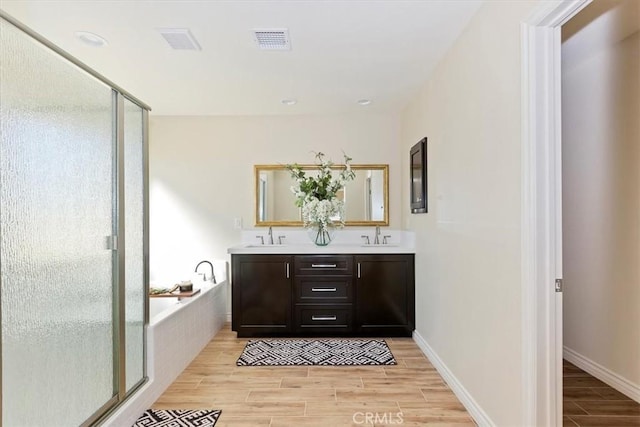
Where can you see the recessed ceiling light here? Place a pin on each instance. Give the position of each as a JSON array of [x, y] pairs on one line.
[[289, 101], [364, 102], [91, 39]]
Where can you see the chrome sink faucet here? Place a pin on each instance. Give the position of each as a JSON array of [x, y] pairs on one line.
[[270, 235], [376, 239]]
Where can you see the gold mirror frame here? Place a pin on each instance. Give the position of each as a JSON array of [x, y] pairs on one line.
[[261, 168]]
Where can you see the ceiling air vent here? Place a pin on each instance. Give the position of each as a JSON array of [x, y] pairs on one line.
[[180, 38], [272, 38]]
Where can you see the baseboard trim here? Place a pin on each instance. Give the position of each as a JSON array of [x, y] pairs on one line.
[[475, 410], [229, 317], [605, 375]]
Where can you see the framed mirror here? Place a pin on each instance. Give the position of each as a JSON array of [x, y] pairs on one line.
[[418, 189], [366, 197]]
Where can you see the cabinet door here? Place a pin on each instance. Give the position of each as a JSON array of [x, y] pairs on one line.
[[385, 294], [261, 294]]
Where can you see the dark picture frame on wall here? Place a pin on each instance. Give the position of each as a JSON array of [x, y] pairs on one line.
[[418, 172]]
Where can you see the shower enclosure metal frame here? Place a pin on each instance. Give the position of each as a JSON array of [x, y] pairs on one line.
[[118, 286]]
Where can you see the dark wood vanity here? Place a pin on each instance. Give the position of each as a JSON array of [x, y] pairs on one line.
[[323, 295]]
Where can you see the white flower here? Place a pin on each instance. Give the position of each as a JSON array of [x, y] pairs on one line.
[[317, 195], [323, 212]]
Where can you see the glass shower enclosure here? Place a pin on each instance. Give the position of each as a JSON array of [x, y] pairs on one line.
[[73, 236]]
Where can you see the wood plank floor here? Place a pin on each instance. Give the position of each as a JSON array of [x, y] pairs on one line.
[[590, 402], [315, 396]]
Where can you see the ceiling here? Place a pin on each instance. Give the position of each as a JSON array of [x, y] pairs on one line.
[[341, 51]]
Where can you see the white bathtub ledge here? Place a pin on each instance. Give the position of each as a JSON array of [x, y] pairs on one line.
[[175, 304]]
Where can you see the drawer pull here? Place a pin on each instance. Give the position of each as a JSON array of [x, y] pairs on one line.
[[324, 265], [323, 289], [323, 317]]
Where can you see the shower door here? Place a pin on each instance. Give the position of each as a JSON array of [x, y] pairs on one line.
[[57, 221], [135, 292]]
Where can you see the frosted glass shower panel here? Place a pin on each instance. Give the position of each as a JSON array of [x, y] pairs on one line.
[[56, 198], [134, 251]]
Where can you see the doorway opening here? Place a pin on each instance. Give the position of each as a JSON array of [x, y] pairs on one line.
[[542, 260], [601, 214]]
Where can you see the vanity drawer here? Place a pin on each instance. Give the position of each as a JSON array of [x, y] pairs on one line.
[[318, 317], [314, 289], [323, 265]]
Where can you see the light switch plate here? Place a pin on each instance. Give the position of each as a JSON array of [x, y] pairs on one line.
[[237, 223]]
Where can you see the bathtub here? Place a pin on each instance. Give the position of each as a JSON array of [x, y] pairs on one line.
[[161, 308], [177, 332]]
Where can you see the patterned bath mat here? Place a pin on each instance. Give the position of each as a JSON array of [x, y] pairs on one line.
[[178, 418], [323, 352]]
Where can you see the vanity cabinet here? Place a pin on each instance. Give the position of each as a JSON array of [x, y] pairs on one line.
[[261, 294], [386, 298], [323, 295]]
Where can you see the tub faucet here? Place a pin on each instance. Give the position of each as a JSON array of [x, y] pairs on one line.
[[213, 276], [270, 235], [376, 239]]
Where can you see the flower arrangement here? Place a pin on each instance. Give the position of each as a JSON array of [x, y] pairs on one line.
[[317, 194]]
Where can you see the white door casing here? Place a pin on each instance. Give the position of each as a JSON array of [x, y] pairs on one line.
[[542, 211]]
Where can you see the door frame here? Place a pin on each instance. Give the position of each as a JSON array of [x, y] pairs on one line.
[[541, 233]]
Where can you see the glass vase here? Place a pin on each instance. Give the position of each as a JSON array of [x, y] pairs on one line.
[[321, 234]]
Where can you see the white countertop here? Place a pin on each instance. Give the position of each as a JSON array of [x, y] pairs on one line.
[[347, 241], [332, 248]]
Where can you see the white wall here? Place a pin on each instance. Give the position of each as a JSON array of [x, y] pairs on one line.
[[283, 201], [601, 190], [355, 197], [468, 292], [377, 195], [201, 175]]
